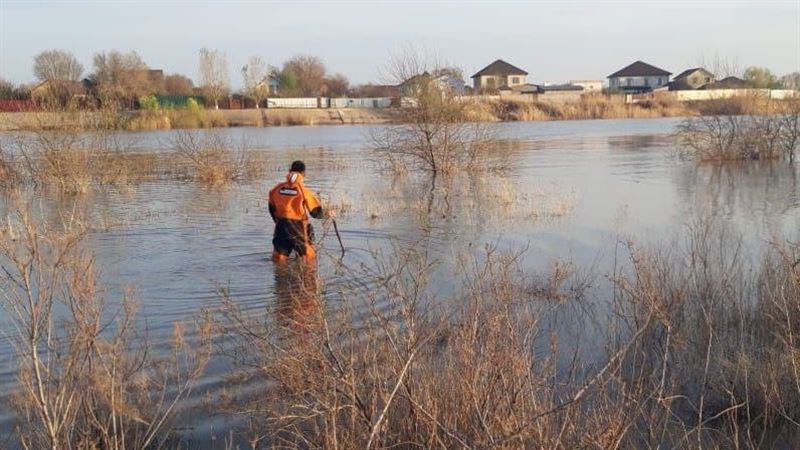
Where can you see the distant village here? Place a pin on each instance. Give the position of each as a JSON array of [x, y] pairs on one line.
[[498, 80]]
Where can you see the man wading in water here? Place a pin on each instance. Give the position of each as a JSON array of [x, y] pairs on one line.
[[290, 203]]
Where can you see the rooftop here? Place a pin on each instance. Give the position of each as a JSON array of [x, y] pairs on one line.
[[639, 69], [688, 72], [500, 67]]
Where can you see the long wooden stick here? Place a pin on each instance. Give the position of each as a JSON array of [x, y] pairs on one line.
[[338, 236]]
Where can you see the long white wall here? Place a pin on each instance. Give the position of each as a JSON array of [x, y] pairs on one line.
[[713, 94], [327, 102]]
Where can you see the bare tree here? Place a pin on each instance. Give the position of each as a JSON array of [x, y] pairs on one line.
[[214, 74], [308, 73], [177, 84], [720, 66], [436, 134], [337, 85], [121, 77], [8, 91], [256, 84], [53, 65]]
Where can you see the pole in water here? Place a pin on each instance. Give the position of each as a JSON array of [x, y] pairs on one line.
[[338, 236]]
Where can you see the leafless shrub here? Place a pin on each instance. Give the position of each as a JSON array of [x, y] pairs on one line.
[[71, 160], [789, 138], [701, 351], [718, 365], [392, 364], [433, 134], [214, 159], [763, 136], [86, 379]]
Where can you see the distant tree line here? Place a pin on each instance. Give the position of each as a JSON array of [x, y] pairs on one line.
[[124, 78]]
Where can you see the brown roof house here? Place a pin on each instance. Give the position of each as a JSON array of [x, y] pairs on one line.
[[638, 77], [497, 75], [691, 79]]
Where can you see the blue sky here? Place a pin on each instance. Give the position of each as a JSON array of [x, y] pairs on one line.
[[553, 40]]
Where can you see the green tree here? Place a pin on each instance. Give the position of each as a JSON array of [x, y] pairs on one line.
[[288, 84], [149, 103], [761, 78]]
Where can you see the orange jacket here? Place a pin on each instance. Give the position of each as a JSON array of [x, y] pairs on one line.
[[292, 201]]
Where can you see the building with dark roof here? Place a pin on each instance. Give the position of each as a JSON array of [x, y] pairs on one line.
[[728, 83], [691, 79], [499, 74], [638, 77]]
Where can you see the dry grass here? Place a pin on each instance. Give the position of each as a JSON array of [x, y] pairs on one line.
[[190, 118], [701, 352], [290, 119], [718, 363], [472, 198], [589, 107], [9, 175], [86, 378], [72, 161], [464, 374]]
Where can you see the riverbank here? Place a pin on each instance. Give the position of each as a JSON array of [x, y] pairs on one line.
[[505, 110], [179, 119]]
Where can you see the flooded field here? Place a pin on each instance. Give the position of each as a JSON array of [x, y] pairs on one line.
[[571, 191]]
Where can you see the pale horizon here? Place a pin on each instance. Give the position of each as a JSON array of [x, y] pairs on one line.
[[553, 41]]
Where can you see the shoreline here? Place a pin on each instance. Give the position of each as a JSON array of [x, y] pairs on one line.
[[590, 108], [142, 120]]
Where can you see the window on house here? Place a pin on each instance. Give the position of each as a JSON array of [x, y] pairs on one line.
[[515, 80], [659, 81], [647, 81], [490, 82]]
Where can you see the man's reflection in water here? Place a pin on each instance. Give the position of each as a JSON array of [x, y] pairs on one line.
[[299, 305]]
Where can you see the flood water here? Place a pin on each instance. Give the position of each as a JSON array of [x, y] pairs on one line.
[[572, 190]]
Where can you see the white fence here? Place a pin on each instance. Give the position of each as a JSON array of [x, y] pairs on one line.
[[376, 102], [327, 102], [713, 94], [309, 102]]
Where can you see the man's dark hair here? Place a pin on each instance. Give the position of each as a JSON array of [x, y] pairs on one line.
[[298, 166]]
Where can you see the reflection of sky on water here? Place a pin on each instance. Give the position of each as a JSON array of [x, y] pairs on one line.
[[176, 242]]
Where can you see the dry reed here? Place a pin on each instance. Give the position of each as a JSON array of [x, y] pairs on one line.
[[86, 378]]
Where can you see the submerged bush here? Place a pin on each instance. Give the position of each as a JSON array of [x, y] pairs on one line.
[[433, 134], [733, 137], [86, 378], [213, 159]]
